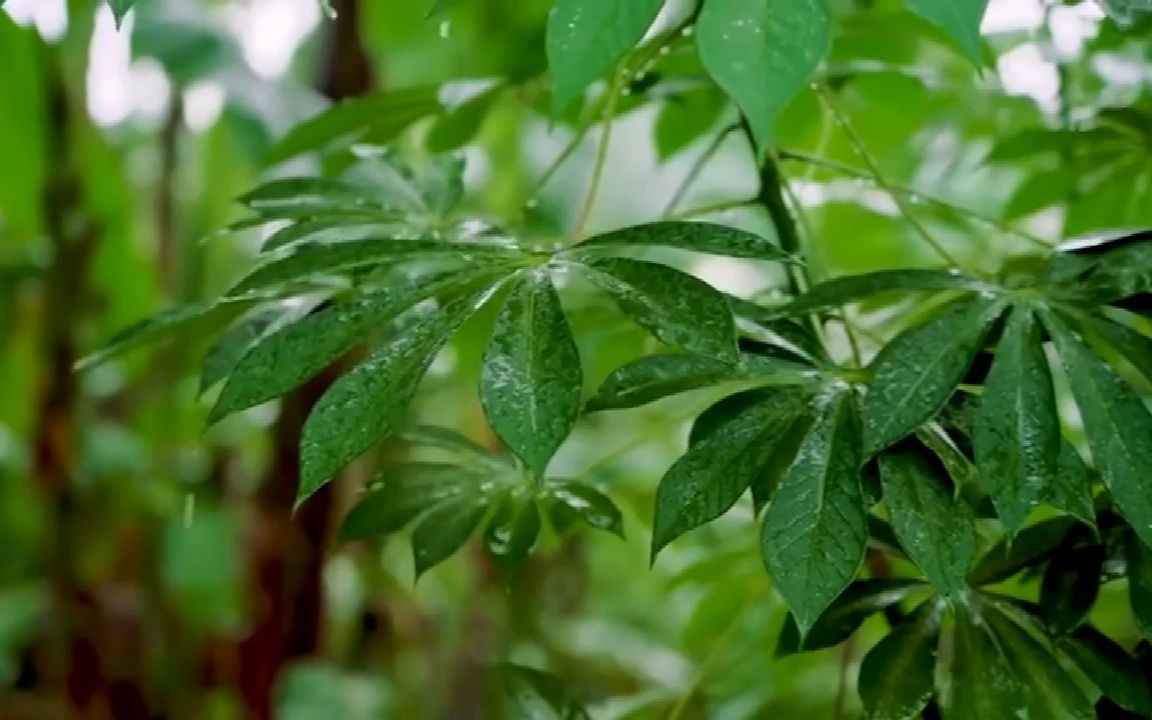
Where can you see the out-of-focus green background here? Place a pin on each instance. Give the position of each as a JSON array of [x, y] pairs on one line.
[[156, 556]]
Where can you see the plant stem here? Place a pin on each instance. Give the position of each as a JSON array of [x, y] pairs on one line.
[[717, 207], [609, 117], [697, 168], [829, 99]]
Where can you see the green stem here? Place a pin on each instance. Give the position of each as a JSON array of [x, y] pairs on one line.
[[614, 91], [712, 209]]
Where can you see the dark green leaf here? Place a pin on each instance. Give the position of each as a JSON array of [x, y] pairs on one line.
[[763, 52], [959, 19], [1135, 346], [531, 382], [573, 500], [1017, 428], [708, 480], [1070, 586], [1139, 560], [897, 677], [916, 372], [1071, 488], [854, 288], [513, 531], [230, 347], [816, 528], [860, 601], [586, 38], [120, 8], [983, 682], [677, 308], [1110, 668], [1029, 547], [697, 236], [1116, 422], [369, 403], [455, 444], [401, 493], [932, 527], [445, 529]]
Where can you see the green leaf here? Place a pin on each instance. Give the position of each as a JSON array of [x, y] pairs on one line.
[[531, 382], [1017, 428], [708, 480], [983, 682], [444, 530], [1071, 488], [1116, 422], [458, 126], [1070, 586], [301, 197], [577, 501], [368, 404], [282, 360], [230, 347], [816, 526], [534, 695], [512, 532], [1139, 560], [401, 493], [763, 53], [331, 229], [897, 676], [386, 114], [325, 259], [1030, 546], [677, 308], [120, 8], [1135, 346], [854, 288], [1112, 670], [916, 372], [959, 19], [696, 236], [586, 38], [654, 377], [685, 117], [933, 528], [456, 445], [860, 601]]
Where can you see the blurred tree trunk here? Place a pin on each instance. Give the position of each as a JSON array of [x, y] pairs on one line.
[[288, 604]]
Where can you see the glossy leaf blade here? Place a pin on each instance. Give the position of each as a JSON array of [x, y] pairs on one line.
[[1029, 547], [677, 308], [512, 532], [577, 501], [763, 52], [586, 38], [444, 530], [815, 529], [369, 403], [897, 677], [854, 288], [229, 348], [403, 492], [1139, 559], [1017, 428], [1070, 586], [1116, 422], [530, 385], [1071, 488], [1110, 668], [933, 528], [959, 19], [696, 236], [917, 371], [861, 600], [983, 682]]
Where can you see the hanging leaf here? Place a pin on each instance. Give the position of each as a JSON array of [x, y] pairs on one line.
[[332, 229], [230, 347], [1070, 586], [763, 53], [983, 682], [854, 288], [1030, 546], [1116, 422], [932, 527], [571, 501], [401, 493], [369, 403], [1110, 668], [916, 372], [512, 532], [1139, 560], [708, 480], [586, 38], [301, 197], [696, 236], [457, 127], [815, 528], [860, 601], [959, 19], [677, 308], [1017, 427], [530, 385], [444, 530], [897, 676], [1071, 488]]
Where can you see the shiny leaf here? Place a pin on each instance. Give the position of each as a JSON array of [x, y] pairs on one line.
[[959, 19], [1110, 668], [696, 236], [897, 676], [854, 288], [860, 601], [444, 530]]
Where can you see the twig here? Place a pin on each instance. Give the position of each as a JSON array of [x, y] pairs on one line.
[[614, 91], [697, 168], [712, 209]]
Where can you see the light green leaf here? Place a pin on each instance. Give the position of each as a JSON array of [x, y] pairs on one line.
[[445, 529], [458, 126], [513, 531], [1139, 558], [897, 676], [572, 501], [586, 38], [332, 229], [1029, 547], [696, 236], [763, 52], [933, 528], [369, 403], [1112, 670], [860, 601], [677, 308], [1117, 424], [854, 288], [302, 197], [960, 19], [815, 529], [531, 382], [654, 377], [401, 493], [916, 372], [708, 480], [1016, 436]]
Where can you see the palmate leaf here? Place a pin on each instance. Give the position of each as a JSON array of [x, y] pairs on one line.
[[815, 529], [369, 403], [1116, 422], [229, 348], [708, 480], [568, 502], [401, 493], [933, 528], [1110, 668], [586, 38], [531, 382], [1031, 546], [916, 372], [677, 308], [897, 676], [332, 229], [300, 197], [959, 19], [444, 530], [763, 53], [859, 601], [1017, 427], [854, 288], [513, 530], [1071, 488], [696, 236]]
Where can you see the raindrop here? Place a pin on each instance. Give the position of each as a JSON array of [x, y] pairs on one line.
[[445, 29], [688, 31]]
